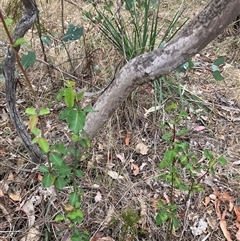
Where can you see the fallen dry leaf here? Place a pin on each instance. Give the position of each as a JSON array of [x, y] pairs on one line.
[[106, 239], [32, 235], [237, 212], [223, 226], [15, 196], [127, 139], [98, 197], [207, 201], [114, 175], [121, 157], [135, 169], [108, 219], [142, 148]]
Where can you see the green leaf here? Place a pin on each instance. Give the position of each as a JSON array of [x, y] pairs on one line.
[[171, 107], [60, 94], [36, 131], [8, 21], [73, 198], [18, 42], [163, 164], [44, 111], [175, 223], [76, 120], [222, 160], [42, 142], [47, 180], [69, 97], [64, 171], [28, 59], [208, 154], [79, 96], [161, 217], [79, 173], [59, 218], [182, 132], [64, 113], [75, 215], [30, 111], [75, 137], [59, 147], [56, 159], [89, 109], [43, 169], [85, 143], [166, 136], [46, 40], [73, 33], [219, 61], [61, 183], [217, 76]]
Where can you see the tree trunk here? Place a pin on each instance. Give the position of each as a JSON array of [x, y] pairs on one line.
[[210, 22]]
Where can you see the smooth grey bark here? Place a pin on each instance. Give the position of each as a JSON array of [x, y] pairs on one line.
[[210, 22]]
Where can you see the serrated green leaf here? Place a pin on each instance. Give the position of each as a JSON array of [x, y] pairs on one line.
[[171, 107], [8, 21], [64, 113], [75, 215], [222, 160], [208, 154], [56, 159], [219, 61], [60, 94], [163, 164], [166, 136], [76, 120], [43, 169], [217, 76], [60, 183], [64, 171], [30, 111], [69, 97], [73, 198], [18, 42], [59, 218], [42, 142], [36, 131], [75, 137], [46, 40], [47, 180], [89, 109], [28, 60], [79, 173], [44, 111], [60, 148], [73, 33], [79, 96], [85, 143]]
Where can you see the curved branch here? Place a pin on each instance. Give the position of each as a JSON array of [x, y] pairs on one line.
[[210, 22], [23, 26]]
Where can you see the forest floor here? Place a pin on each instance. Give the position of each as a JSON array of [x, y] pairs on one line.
[[130, 145]]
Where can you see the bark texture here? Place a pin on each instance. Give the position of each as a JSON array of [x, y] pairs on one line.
[[210, 22], [23, 26]]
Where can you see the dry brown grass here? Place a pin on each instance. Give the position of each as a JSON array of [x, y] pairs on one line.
[[140, 192]]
